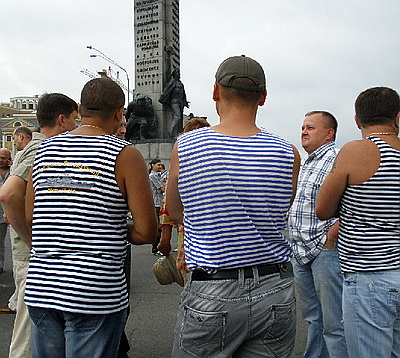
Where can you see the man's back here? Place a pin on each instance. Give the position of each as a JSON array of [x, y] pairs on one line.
[[87, 230], [234, 184], [82, 186], [248, 184]]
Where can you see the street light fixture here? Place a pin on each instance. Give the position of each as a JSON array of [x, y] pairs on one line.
[[108, 59]]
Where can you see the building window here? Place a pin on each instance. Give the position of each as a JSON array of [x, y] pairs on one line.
[[23, 105], [30, 105], [9, 138], [17, 124]]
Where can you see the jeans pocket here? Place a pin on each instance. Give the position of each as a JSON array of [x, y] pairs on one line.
[[349, 282], [202, 333], [37, 315], [281, 333], [84, 323], [383, 305]]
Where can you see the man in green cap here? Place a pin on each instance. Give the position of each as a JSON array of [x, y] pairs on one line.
[[235, 183]]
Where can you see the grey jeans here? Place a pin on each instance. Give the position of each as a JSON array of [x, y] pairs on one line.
[[253, 317]]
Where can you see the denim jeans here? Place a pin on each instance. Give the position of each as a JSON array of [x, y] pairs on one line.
[[252, 317], [319, 291], [371, 307], [58, 334]]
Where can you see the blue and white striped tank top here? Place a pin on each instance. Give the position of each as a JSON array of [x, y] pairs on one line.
[[236, 193], [79, 227], [369, 234]]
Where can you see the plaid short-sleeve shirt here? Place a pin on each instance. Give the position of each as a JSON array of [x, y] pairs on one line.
[[307, 233]]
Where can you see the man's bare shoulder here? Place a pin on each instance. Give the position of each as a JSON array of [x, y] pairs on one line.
[[357, 160], [129, 150], [129, 156], [357, 148]]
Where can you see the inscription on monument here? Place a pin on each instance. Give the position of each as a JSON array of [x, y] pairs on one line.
[[152, 21], [148, 16]]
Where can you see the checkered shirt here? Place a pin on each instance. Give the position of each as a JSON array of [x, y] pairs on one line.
[[307, 233]]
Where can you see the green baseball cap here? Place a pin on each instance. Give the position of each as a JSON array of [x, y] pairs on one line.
[[241, 67]]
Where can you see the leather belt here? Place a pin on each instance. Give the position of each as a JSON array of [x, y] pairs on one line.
[[199, 275]]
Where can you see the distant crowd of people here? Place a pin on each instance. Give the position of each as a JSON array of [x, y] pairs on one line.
[[75, 198]]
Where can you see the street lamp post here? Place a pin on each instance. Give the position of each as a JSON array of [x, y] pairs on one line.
[[108, 59]]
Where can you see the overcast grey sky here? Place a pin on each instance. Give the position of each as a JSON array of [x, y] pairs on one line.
[[317, 54]]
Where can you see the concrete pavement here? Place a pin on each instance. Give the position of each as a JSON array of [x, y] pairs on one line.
[[152, 312]]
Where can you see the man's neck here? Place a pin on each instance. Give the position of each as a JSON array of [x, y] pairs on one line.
[[237, 121], [25, 143], [377, 129], [89, 124], [49, 132], [4, 171], [237, 126], [313, 151]]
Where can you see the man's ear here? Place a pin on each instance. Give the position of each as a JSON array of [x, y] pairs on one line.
[[396, 120], [118, 114], [263, 98], [216, 94], [357, 122], [79, 110], [60, 120], [331, 134]]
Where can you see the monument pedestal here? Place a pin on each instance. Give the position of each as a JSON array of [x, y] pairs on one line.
[[155, 149]]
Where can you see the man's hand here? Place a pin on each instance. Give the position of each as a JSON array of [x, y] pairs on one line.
[[332, 237], [165, 241]]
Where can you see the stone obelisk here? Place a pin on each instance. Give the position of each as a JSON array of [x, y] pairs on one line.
[[156, 34]]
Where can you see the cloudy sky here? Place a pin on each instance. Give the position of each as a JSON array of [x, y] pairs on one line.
[[317, 54]]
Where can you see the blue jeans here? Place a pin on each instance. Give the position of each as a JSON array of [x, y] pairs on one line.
[[319, 291], [58, 334], [253, 317], [371, 307]]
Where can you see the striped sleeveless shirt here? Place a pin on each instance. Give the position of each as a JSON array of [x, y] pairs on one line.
[[369, 234], [236, 193], [79, 227]]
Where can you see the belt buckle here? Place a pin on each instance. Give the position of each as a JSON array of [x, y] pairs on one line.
[[285, 269]]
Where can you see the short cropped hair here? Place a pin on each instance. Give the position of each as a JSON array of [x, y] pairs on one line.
[[246, 97], [7, 151], [101, 97], [195, 123], [51, 105], [329, 119], [24, 130], [377, 105]]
